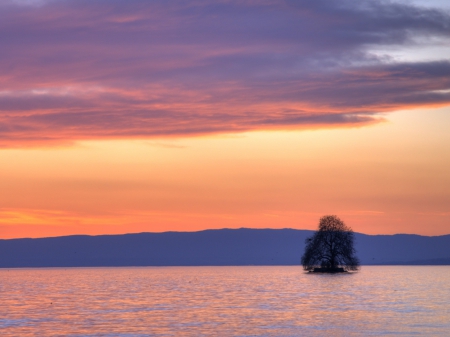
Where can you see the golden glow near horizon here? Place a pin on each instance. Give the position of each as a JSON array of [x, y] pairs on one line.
[[390, 177]]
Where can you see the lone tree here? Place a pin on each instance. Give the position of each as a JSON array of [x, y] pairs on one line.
[[330, 249]]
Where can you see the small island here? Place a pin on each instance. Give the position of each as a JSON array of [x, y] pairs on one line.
[[330, 249]]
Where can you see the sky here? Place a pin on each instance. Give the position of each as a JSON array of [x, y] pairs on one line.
[[149, 116]]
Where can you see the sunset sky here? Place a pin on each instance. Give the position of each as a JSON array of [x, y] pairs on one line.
[[147, 116]]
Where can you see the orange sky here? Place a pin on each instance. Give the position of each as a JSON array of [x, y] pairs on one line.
[[133, 116], [391, 177]]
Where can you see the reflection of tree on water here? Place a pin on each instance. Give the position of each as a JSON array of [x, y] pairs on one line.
[[330, 249]]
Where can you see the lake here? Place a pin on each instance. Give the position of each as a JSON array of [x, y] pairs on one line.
[[225, 301]]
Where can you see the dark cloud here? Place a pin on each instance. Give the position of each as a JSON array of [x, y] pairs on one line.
[[93, 69]]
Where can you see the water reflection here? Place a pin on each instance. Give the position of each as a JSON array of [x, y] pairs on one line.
[[226, 301]]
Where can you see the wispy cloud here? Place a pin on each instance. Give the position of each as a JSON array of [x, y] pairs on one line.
[[79, 69]]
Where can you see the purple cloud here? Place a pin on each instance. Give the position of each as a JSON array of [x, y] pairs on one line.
[[105, 69]]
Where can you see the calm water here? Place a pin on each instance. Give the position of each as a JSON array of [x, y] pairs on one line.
[[224, 301]]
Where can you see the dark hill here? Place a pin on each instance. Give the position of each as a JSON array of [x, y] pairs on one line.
[[210, 247]]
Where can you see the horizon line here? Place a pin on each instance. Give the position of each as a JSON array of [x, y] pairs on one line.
[[208, 229]]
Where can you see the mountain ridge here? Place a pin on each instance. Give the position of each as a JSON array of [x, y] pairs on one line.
[[243, 246]]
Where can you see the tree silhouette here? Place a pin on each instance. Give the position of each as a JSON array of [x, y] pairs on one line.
[[331, 247]]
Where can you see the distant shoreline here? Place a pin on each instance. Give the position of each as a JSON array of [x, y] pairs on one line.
[[223, 247], [214, 266]]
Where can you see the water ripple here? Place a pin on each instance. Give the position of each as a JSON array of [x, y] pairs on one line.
[[224, 301]]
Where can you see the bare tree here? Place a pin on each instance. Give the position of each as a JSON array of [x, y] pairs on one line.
[[331, 247]]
